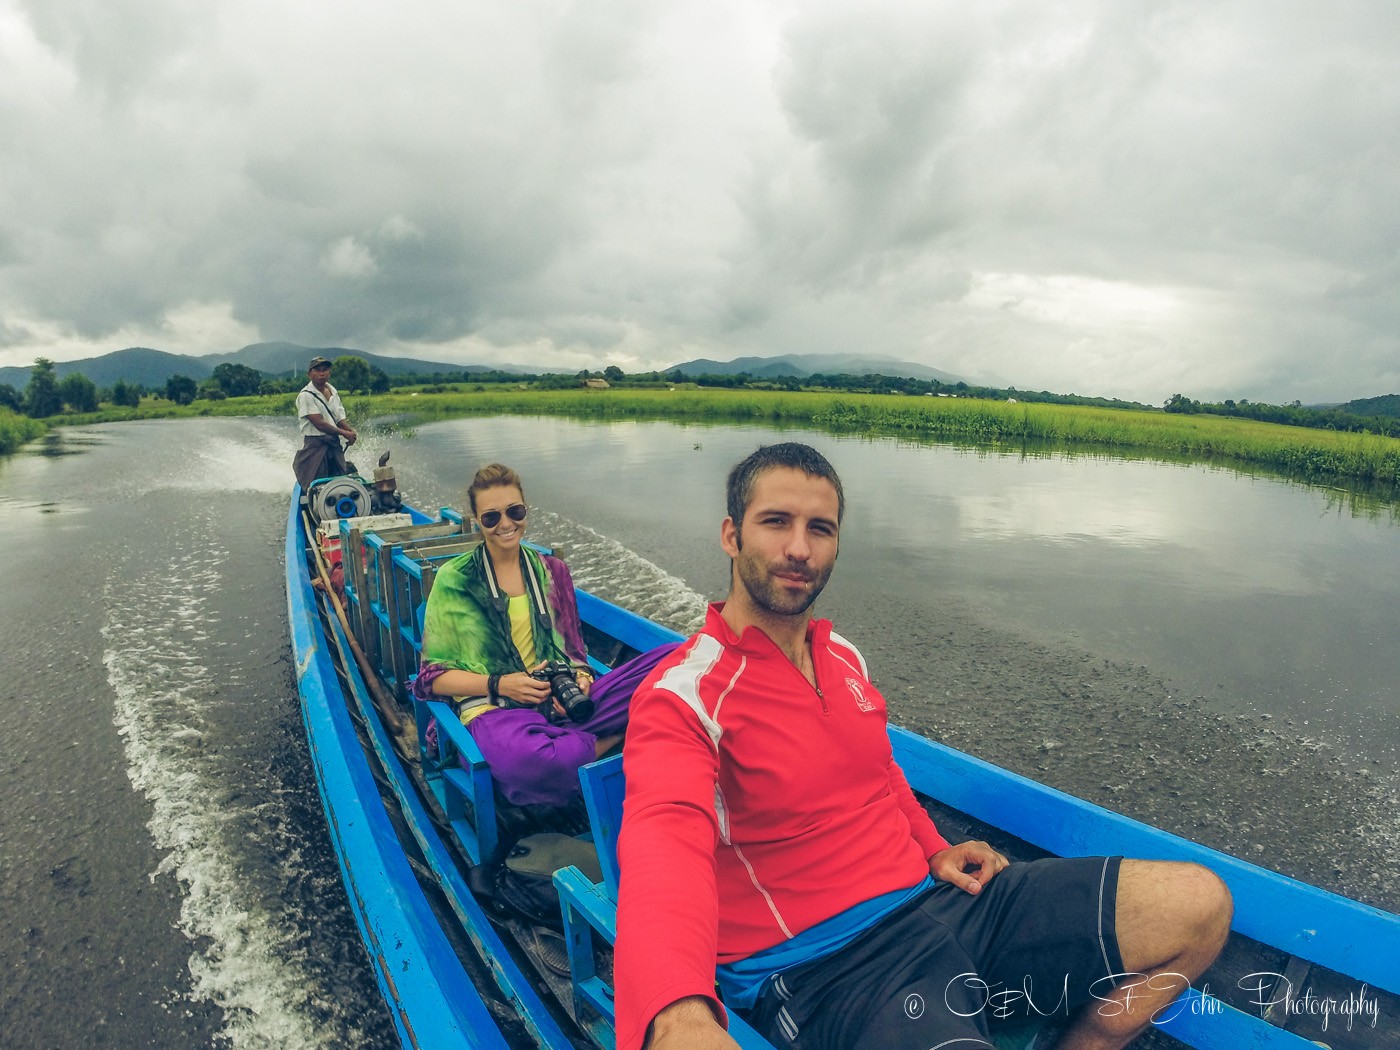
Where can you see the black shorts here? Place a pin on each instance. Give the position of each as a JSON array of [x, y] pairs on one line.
[[1038, 942]]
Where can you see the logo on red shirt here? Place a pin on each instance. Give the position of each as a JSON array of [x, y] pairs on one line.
[[858, 691]]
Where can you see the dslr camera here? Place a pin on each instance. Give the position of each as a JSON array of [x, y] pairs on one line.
[[564, 688]]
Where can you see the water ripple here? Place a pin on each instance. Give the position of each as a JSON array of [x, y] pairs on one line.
[[156, 632]]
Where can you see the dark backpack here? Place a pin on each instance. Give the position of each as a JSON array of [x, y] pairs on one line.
[[523, 883]]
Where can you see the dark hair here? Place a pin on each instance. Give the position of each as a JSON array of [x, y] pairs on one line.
[[490, 476], [791, 454]]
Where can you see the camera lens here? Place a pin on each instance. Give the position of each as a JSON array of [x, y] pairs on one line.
[[571, 698]]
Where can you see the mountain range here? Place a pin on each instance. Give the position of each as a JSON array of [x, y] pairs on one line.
[[802, 365], [151, 368]]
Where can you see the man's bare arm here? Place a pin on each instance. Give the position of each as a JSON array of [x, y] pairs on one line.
[[688, 1024]]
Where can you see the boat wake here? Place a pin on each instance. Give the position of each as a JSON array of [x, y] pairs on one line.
[[251, 459], [611, 571], [163, 663]]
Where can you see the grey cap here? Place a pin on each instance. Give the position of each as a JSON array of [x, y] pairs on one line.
[[317, 362]]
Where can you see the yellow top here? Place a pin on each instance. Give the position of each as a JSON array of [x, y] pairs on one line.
[[469, 715], [522, 632]]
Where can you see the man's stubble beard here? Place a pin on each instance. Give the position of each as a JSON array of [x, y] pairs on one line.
[[765, 592]]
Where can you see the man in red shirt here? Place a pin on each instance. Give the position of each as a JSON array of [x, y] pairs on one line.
[[771, 845]]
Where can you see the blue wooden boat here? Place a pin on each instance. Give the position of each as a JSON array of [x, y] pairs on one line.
[[409, 821]]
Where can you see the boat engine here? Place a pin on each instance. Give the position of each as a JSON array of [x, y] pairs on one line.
[[333, 498], [386, 497], [350, 496]]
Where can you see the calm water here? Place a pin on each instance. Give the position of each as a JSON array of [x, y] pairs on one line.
[[1204, 650]]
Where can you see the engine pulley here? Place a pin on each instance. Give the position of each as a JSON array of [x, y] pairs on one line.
[[333, 498]]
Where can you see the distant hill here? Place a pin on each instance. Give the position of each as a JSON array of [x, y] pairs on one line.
[[151, 368], [758, 367], [136, 364], [1385, 405], [803, 365], [281, 358]]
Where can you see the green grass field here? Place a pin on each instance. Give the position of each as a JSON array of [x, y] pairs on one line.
[[17, 430], [1296, 451], [1293, 450]]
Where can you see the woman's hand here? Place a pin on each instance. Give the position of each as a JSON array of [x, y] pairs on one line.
[[523, 689]]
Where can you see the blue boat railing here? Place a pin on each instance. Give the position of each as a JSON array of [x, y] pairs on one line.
[[1302, 920], [457, 774], [433, 1001], [590, 908], [392, 584]]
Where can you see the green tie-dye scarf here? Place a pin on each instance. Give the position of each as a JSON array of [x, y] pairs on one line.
[[467, 627]]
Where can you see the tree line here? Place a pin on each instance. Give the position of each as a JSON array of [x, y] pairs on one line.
[[48, 395], [1294, 415]]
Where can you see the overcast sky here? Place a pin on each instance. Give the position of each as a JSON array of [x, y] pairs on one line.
[[1122, 198]]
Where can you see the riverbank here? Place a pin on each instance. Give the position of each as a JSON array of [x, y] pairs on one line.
[[1306, 453], [1314, 454], [17, 430]]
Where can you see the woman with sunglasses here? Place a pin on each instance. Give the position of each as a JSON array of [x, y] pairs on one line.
[[495, 614]]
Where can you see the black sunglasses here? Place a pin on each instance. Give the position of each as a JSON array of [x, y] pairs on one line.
[[491, 518]]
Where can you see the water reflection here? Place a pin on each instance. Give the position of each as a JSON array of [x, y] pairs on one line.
[[64, 441]]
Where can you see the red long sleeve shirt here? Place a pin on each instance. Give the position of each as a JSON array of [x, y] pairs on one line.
[[757, 807]]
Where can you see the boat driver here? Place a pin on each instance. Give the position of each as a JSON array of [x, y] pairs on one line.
[[323, 423], [770, 844]]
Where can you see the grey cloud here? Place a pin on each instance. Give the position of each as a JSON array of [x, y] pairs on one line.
[[1180, 147], [122, 47], [1120, 198]]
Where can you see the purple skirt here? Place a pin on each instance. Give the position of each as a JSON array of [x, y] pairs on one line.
[[535, 761]]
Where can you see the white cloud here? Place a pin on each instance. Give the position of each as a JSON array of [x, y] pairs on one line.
[[32, 77], [206, 324], [347, 257]]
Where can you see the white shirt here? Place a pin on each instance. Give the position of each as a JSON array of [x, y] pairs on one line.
[[310, 403]]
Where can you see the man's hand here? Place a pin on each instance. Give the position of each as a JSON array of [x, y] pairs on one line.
[[688, 1024], [968, 865], [349, 434]]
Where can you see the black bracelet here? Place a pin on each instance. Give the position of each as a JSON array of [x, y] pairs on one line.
[[493, 682]]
